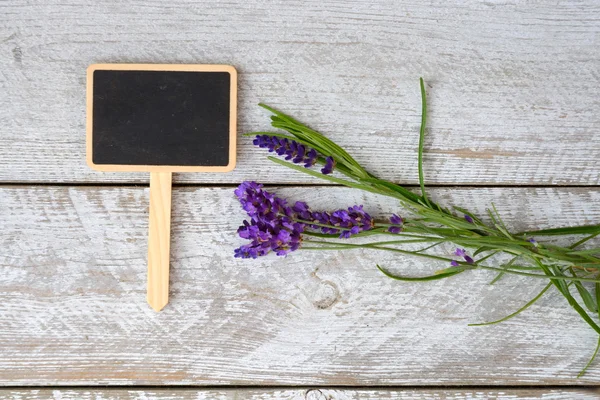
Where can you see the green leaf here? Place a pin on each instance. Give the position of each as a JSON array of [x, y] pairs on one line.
[[448, 272], [520, 310], [392, 186], [575, 230], [505, 266], [591, 359], [598, 297], [422, 141], [598, 344], [582, 241], [562, 283], [585, 252], [586, 296], [429, 247], [572, 302], [501, 227], [323, 176], [481, 250]]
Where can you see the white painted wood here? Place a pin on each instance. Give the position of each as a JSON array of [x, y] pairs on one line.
[[300, 394], [73, 308], [512, 85]]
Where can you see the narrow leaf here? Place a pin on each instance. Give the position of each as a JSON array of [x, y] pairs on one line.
[[520, 310], [422, 141], [576, 230], [586, 296], [443, 274], [591, 359]]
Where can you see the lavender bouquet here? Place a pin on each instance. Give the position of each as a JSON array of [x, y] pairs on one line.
[[276, 226]]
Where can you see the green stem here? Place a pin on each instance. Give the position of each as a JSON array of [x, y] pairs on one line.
[[551, 277], [582, 241], [446, 259], [525, 307], [591, 359], [369, 246], [422, 140]]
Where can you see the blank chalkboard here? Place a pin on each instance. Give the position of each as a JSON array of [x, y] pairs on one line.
[[148, 117]]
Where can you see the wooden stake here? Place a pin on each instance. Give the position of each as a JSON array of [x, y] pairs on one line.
[[159, 239]]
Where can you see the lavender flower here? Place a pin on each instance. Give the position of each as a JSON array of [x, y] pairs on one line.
[[468, 218], [261, 205], [462, 253], [302, 211], [329, 165], [454, 263], [533, 242], [271, 227], [276, 227], [396, 219], [354, 220], [281, 238], [294, 151], [397, 222]]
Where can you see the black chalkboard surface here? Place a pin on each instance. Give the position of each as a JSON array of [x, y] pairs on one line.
[[161, 117]]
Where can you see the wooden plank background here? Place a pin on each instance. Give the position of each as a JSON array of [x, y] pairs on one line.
[[513, 85], [74, 310], [514, 118], [301, 394]]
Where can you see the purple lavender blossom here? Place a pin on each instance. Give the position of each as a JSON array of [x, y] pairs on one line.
[[454, 263], [468, 218], [463, 253], [533, 242], [280, 238], [261, 205], [397, 222], [246, 251], [353, 221], [460, 252], [329, 165], [294, 151], [396, 219], [276, 227], [271, 227], [302, 211]]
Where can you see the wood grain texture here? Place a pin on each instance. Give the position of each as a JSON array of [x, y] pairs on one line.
[[159, 240], [300, 394], [73, 309], [512, 85]]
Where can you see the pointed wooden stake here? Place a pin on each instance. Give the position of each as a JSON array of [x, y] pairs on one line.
[[159, 239]]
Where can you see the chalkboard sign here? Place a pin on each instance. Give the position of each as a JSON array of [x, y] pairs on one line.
[[148, 117], [161, 119]]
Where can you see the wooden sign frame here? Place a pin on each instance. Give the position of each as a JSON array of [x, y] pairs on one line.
[[159, 225], [162, 67]]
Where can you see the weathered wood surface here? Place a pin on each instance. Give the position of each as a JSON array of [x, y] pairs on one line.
[[73, 308], [300, 394], [513, 85]]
